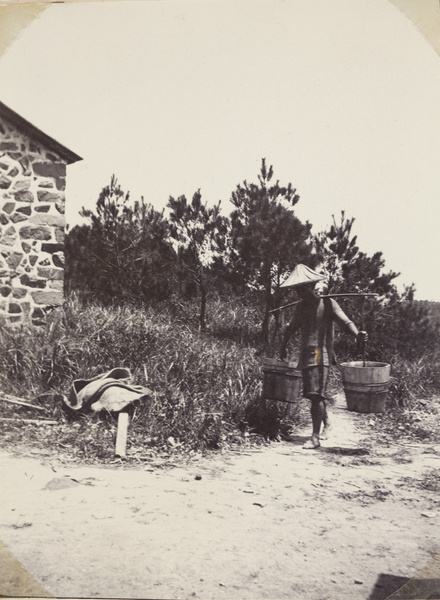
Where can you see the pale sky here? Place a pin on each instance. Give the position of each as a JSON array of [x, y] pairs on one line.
[[341, 97]]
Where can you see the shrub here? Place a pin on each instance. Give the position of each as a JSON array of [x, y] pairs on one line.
[[413, 380]]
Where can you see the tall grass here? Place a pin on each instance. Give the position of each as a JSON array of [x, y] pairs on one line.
[[204, 387], [412, 380]]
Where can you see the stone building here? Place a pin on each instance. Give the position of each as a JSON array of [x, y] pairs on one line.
[[32, 223]]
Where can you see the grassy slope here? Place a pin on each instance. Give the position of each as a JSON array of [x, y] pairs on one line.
[[206, 388]]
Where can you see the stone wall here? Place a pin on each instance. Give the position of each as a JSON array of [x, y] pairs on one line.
[[32, 227]]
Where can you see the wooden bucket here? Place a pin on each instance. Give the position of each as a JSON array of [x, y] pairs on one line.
[[282, 381], [366, 385]]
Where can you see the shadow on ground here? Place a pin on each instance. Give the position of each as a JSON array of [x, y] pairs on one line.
[[345, 451], [391, 587], [386, 585], [301, 439]]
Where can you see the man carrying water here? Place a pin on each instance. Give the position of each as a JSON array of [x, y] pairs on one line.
[[315, 317]]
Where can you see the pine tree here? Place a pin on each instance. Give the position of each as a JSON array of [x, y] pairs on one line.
[[128, 257], [199, 235], [396, 323], [268, 240]]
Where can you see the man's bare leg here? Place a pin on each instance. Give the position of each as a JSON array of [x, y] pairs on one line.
[[326, 424], [318, 412]]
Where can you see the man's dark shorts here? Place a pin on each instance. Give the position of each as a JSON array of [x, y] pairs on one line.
[[315, 381]]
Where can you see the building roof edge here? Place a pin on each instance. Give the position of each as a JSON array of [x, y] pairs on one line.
[[26, 126]]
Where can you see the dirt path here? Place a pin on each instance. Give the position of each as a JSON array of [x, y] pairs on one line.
[[352, 521]]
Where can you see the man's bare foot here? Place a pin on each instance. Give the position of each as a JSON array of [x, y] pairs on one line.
[[312, 443], [325, 432]]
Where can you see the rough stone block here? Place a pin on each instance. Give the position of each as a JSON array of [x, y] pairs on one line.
[[4, 219], [9, 207], [48, 298], [5, 291], [58, 260], [14, 308], [32, 282], [26, 247], [17, 218], [56, 285], [37, 313], [25, 210], [47, 219], [22, 185], [8, 146], [25, 307], [14, 259], [36, 233], [51, 274], [49, 169], [13, 172], [52, 248], [5, 183], [25, 196], [61, 208], [43, 208], [61, 183], [35, 148], [60, 234], [45, 196], [9, 237], [19, 293], [24, 163]]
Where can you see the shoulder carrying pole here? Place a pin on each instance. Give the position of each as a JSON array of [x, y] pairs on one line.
[[363, 294]]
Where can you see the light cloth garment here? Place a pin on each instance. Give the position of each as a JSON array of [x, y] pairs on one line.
[[110, 391]]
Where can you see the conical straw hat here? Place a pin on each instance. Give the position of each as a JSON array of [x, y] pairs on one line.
[[301, 275]]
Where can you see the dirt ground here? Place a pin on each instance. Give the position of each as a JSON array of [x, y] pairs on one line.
[[354, 520]]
